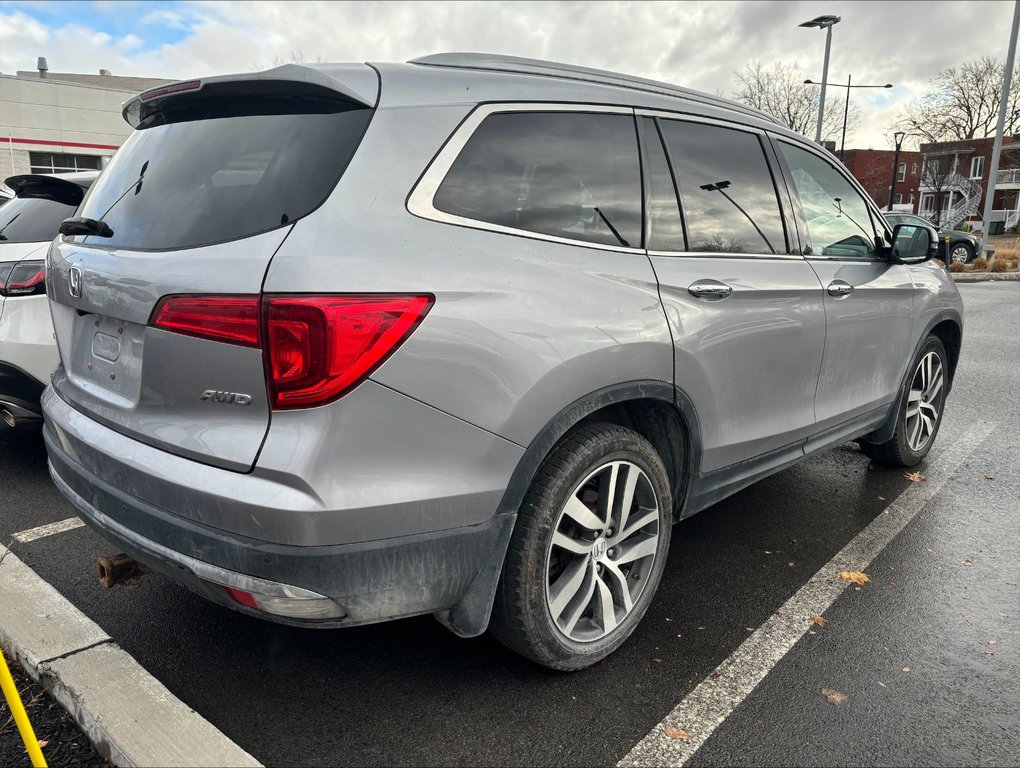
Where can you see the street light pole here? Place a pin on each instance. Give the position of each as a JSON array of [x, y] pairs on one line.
[[899, 136], [846, 112], [826, 23], [846, 108]]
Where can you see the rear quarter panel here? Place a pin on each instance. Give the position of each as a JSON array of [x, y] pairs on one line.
[[520, 327]]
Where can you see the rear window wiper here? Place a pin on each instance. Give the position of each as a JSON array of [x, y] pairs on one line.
[[79, 225]]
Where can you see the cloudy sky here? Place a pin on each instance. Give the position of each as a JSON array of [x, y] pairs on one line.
[[696, 44]]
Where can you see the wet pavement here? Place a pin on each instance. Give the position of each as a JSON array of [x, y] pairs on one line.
[[409, 692]]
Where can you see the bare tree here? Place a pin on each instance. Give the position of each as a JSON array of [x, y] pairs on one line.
[[780, 90], [962, 103]]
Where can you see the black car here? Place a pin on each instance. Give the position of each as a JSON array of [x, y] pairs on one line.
[[963, 246]]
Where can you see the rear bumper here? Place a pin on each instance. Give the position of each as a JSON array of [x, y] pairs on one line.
[[425, 572]]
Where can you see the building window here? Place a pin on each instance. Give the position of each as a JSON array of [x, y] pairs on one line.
[[903, 172], [977, 167], [928, 203], [899, 198], [52, 162], [913, 169]]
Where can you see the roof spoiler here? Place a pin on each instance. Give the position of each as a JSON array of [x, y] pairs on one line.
[[358, 83], [49, 187]]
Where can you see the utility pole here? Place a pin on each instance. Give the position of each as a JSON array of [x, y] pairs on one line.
[[1007, 81]]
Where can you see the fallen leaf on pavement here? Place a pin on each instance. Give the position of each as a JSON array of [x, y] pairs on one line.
[[989, 477], [676, 733], [43, 743], [823, 623], [993, 642], [892, 583], [714, 676], [906, 669], [834, 697], [914, 477], [855, 576], [872, 467], [967, 562]]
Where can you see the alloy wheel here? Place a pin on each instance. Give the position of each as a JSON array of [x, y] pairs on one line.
[[960, 254], [604, 542], [924, 401]]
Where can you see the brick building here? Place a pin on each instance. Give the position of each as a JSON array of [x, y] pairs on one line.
[[873, 168], [955, 178]]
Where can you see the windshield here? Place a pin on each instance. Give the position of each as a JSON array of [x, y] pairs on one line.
[[32, 219], [212, 169]]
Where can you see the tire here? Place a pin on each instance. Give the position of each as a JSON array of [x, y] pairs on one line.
[[907, 447], [540, 574], [962, 253]]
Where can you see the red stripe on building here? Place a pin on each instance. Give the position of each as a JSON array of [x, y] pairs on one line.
[[8, 140]]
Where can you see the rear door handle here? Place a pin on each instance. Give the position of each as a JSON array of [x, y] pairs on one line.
[[840, 289], [710, 290]]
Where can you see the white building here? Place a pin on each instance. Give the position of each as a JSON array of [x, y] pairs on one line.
[[54, 122]]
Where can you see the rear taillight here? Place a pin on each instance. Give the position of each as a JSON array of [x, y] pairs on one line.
[[317, 348], [320, 347], [230, 319], [22, 278]]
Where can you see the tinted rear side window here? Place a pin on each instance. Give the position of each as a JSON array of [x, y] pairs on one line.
[[216, 168], [729, 198], [567, 174], [33, 217]]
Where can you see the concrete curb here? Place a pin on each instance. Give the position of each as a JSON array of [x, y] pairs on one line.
[[127, 713], [981, 277]]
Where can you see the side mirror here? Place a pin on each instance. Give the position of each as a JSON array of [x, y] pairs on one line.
[[911, 244]]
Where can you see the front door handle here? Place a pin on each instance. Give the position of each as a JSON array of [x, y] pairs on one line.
[[840, 289], [711, 290]]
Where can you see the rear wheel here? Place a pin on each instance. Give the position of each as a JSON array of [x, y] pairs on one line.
[[588, 551], [920, 412]]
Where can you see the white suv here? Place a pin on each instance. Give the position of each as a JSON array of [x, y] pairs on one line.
[[28, 222]]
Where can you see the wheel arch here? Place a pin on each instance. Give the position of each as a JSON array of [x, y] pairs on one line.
[[948, 327], [657, 410]]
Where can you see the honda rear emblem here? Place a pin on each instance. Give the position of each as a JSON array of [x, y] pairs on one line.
[[74, 281]]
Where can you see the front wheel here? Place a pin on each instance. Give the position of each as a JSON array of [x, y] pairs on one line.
[[922, 402], [961, 253], [588, 550]]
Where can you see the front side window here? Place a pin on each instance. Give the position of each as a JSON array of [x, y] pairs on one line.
[[727, 193], [838, 222], [574, 175]]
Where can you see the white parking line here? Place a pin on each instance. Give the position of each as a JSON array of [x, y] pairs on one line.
[[706, 707], [48, 530]]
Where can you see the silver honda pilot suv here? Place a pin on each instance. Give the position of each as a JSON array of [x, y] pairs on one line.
[[466, 336]]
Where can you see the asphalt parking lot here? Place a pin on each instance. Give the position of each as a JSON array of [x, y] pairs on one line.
[[912, 650]]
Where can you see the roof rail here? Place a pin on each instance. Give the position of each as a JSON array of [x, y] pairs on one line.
[[519, 65]]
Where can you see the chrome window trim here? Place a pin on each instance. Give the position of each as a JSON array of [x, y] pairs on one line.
[[729, 255], [689, 118], [420, 201]]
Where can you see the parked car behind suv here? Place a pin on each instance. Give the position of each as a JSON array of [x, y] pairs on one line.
[[466, 336], [962, 248], [28, 353]]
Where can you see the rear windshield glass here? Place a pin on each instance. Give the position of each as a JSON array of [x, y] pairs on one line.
[[32, 219], [214, 168]]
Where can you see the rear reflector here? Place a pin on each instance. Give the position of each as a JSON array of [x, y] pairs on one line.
[[321, 347], [316, 348], [296, 603], [230, 319]]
